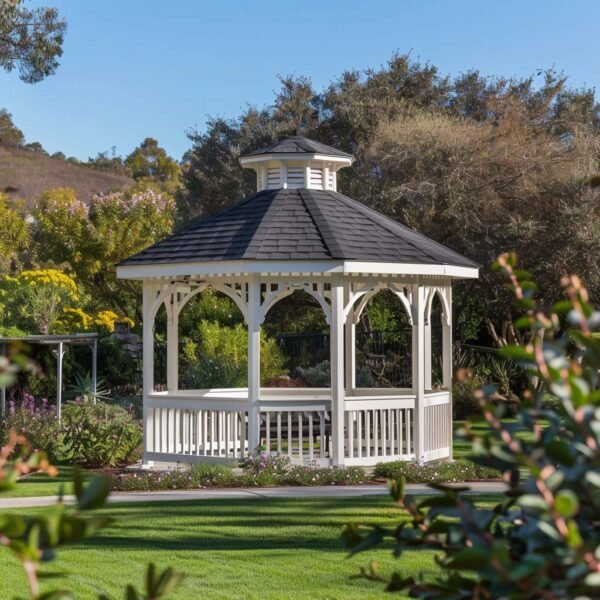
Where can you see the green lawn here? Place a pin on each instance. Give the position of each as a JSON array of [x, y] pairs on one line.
[[42, 485], [251, 549]]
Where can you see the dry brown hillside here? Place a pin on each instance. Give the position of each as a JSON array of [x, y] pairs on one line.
[[25, 175]]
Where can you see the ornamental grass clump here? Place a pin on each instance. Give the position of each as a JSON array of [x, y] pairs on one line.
[[543, 539]]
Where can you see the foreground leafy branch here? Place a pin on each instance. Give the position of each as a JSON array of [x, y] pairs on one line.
[[543, 539]]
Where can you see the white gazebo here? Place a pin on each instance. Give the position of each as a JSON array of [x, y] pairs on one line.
[[298, 233]]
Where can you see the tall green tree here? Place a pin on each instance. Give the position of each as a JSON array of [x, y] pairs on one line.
[[150, 161], [31, 40], [10, 134]]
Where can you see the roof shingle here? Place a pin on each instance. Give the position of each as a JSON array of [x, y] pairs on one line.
[[299, 224], [298, 145]]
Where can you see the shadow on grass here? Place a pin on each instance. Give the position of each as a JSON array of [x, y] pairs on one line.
[[242, 524]]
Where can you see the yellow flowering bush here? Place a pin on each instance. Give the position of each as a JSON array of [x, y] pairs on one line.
[[75, 319], [35, 300], [107, 319]]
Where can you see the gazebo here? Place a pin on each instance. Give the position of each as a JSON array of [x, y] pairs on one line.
[[298, 233]]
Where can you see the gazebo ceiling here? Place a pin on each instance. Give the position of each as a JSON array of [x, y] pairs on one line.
[[297, 227]]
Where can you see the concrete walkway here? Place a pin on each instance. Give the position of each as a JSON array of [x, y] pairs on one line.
[[348, 491]]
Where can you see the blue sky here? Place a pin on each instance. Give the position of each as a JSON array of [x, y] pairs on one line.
[[138, 68]]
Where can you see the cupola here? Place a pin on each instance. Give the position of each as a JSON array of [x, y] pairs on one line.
[[297, 162]]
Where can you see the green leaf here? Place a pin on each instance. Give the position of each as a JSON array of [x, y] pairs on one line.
[[566, 503], [468, 559], [560, 452], [94, 495], [532, 501]]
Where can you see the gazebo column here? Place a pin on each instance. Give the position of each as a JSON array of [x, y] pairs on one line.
[[447, 365], [427, 351], [148, 366], [254, 319], [350, 348], [337, 372], [172, 344], [418, 370]]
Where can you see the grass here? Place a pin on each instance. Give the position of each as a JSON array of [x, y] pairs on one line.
[[252, 549]]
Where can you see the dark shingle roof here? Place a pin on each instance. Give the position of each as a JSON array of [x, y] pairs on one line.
[[299, 145], [300, 224]]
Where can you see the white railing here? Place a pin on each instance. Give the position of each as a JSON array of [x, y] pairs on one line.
[[303, 435], [378, 429], [192, 430], [438, 425], [212, 426]]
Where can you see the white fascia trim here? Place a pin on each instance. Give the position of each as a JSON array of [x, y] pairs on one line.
[[229, 267], [296, 156], [411, 269], [281, 267]]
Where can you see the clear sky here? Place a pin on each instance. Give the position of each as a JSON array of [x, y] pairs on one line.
[[138, 68]]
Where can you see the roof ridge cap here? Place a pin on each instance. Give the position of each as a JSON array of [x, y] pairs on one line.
[[321, 223]]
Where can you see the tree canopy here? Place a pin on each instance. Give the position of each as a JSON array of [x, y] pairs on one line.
[[481, 164], [30, 40]]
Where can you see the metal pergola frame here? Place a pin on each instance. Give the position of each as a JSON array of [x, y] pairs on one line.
[[61, 342]]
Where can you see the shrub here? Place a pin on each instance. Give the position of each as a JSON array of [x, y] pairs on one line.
[[307, 475], [458, 470], [265, 463], [197, 476], [542, 540], [464, 403], [220, 358], [36, 421], [317, 376], [100, 435]]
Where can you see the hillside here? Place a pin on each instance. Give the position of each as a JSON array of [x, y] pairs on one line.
[[25, 175]]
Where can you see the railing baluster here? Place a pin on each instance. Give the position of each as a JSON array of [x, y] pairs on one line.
[[368, 433], [300, 436], [350, 430], [268, 430], [279, 432], [289, 421], [310, 437], [322, 434]]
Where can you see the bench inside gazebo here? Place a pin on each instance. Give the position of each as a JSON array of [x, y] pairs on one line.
[[298, 233]]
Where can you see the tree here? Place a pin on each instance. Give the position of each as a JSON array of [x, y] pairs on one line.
[[92, 240], [481, 164], [151, 162], [30, 40], [15, 234], [10, 134], [542, 540]]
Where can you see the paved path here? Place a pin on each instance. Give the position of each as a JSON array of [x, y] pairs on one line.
[[348, 491]]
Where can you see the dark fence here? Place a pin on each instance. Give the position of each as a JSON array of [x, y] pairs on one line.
[[383, 358]]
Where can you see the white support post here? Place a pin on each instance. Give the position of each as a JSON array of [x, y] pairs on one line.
[[350, 348], [350, 341], [254, 298], [447, 365], [427, 352], [59, 378], [172, 345], [337, 371], [149, 293], [418, 370]]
